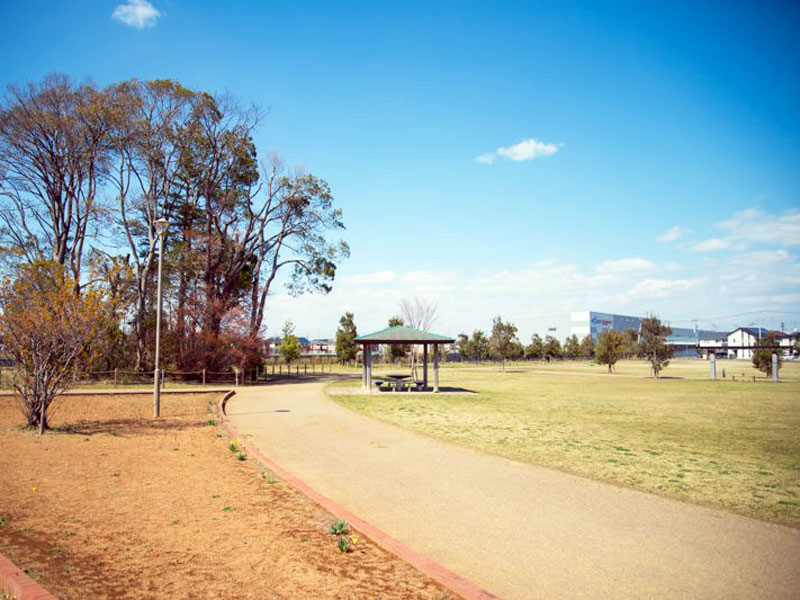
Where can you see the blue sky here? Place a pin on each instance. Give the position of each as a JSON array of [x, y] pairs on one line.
[[505, 158]]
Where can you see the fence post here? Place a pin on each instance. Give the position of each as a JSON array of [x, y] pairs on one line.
[[305, 369], [115, 377], [204, 376], [298, 370]]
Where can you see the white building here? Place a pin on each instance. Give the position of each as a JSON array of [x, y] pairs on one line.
[[741, 341]]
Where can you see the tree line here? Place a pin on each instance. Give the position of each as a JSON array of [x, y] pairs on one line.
[[85, 172], [502, 343]]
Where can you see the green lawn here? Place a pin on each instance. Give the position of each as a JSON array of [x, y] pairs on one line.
[[729, 444]]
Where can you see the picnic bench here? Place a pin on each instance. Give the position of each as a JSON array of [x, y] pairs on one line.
[[398, 383]]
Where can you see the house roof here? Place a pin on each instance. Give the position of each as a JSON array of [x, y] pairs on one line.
[[403, 335], [754, 331]]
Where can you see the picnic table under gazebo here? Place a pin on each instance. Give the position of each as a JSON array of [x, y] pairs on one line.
[[401, 335]]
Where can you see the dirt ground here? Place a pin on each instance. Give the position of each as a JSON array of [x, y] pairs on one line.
[[116, 505]]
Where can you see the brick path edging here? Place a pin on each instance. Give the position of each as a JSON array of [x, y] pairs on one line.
[[18, 585], [443, 575]]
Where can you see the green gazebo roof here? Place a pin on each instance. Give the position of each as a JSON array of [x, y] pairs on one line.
[[403, 335]]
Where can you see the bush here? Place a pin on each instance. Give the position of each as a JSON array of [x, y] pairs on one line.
[[51, 331]]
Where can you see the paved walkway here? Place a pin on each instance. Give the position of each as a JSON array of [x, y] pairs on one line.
[[517, 530]]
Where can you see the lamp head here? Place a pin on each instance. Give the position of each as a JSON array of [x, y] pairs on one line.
[[161, 226]]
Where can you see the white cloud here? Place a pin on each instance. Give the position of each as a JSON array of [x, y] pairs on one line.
[[763, 258], [626, 265], [710, 245], [648, 289], [528, 150], [783, 299], [754, 225], [137, 14], [370, 278], [524, 150], [673, 234]]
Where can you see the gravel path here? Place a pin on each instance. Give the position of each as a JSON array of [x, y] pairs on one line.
[[517, 530]]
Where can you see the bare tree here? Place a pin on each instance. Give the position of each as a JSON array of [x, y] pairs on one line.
[[53, 152], [418, 314]]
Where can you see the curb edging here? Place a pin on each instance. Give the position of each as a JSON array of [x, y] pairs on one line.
[[17, 584], [433, 569]]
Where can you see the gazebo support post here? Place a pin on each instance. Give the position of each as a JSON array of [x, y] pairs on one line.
[[436, 368], [364, 367], [368, 349], [425, 366]]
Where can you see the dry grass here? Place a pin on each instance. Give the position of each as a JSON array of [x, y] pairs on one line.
[[724, 444]]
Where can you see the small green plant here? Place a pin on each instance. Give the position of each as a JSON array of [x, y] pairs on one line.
[[211, 422], [215, 495], [228, 509], [2, 520], [339, 528], [241, 456], [344, 545]]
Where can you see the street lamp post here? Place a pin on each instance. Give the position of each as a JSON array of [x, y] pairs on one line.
[[161, 226]]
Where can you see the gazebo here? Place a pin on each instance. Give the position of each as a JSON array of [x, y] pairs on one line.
[[403, 335]]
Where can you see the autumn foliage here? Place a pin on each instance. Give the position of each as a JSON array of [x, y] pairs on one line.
[[49, 331]]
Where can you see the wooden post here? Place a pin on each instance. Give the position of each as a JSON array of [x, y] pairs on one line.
[[436, 368], [115, 377], [425, 365], [713, 358], [204, 376]]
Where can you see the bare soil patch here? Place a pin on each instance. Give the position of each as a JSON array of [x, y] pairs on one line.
[[117, 505]]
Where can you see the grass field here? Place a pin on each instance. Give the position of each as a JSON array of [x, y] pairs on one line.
[[734, 445]]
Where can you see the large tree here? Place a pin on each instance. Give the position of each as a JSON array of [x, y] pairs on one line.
[[289, 348], [535, 350], [572, 347], [503, 342], [53, 154], [653, 343], [50, 332], [609, 348], [396, 352], [346, 348], [475, 347], [552, 348], [587, 346], [148, 123], [630, 343], [763, 351]]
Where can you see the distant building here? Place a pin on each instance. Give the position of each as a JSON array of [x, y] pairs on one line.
[[317, 347], [741, 340], [684, 341]]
